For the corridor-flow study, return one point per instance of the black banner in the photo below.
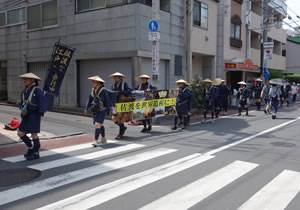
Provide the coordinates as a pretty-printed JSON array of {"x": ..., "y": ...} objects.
[{"x": 59, "y": 63}]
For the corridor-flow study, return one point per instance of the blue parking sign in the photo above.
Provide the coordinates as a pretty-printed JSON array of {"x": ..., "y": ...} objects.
[{"x": 153, "y": 26}]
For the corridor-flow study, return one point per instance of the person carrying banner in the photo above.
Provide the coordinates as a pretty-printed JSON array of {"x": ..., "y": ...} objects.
[
  {"x": 243, "y": 96},
  {"x": 265, "y": 95},
  {"x": 182, "y": 103},
  {"x": 257, "y": 93},
  {"x": 33, "y": 106},
  {"x": 99, "y": 104},
  {"x": 123, "y": 95},
  {"x": 207, "y": 97},
  {"x": 146, "y": 86}
]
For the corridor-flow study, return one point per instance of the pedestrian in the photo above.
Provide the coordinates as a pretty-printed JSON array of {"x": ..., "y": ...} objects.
[
  {"x": 33, "y": 106},
  {"x": 243, "y": 95},
  {"x": 123, "y": 95},
  {"x": 266, "y": 97},
  {"x": 182, "y": 103},
  {"x": 147, "y": 87},
  {"x": 224, "y": 93},
  {"x": 206, "y": 98},
  {"x": 216, "y": 98},
  {"x": 294, "y": 92},
  {"x": 257, "y": 93},
  {"x": 275, "y": 93},
  {"x": 99, "y": 104}
]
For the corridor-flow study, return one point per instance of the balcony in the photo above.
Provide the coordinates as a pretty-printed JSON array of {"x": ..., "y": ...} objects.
[{"x": 279, "y": 6}]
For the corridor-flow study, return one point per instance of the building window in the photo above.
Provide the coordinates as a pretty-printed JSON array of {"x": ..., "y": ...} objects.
[
  {"x": 178, "y": 65},
  {"x": 16, "y": 16},
  {"x": 165, "y": 5},
  {"x": 2, "y": 19},
  {"x": 42, "y": 15},
  {"x": 235, "y": 32},
  {"x": 200, "y": 14}
]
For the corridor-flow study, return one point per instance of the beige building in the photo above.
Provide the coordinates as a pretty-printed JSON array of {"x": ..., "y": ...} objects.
[{"x": 243, "y": 35}]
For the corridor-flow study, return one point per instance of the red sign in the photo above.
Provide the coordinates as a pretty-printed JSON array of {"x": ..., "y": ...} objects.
[{"x": 247, "y": 65}]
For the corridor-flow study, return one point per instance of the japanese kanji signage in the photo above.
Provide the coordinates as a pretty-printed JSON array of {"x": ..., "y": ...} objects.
[
  {"x": 145, "y": 104},
  {"x": 59, "y": 63}
]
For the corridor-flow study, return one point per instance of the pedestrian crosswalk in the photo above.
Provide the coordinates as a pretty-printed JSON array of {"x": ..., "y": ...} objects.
[{"x": 277, "y": 194}]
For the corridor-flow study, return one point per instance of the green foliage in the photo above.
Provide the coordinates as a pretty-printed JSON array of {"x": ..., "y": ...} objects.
[
  {"x": 276, "y": 74},
  {"x": 197, "y": 89},
  {"x": 293, "y": 78}
]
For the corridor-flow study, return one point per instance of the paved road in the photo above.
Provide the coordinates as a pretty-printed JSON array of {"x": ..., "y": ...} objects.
[{"x": 235, "y": 163}]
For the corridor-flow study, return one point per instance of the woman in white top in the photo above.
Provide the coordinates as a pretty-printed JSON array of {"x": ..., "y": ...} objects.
[{"x": 275, "y": 93}]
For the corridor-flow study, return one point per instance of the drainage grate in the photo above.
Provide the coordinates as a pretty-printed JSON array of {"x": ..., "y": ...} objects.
[
  {"x": 11, "y": 177},
  {"x": 283, "y": 144}
]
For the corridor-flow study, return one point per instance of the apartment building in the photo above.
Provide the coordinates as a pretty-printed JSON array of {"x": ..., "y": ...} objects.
[
  {"x": 292, "y": 53},
  {"x": 241, "y": 28},
  {"x": 108, "y": 35}
]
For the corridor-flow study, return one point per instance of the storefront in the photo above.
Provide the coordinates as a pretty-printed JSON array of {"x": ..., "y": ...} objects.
[{"x": 240, "y": 70}]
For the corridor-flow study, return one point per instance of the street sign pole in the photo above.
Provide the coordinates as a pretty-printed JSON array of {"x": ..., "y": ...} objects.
[{"x": 154, "y": 37}]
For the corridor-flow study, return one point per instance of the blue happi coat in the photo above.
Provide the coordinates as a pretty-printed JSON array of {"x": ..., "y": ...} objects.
[
  {"x": 104, "y": 97},
  {"x": 183, "y": 101},
  {"x": 31, "y": 123}
]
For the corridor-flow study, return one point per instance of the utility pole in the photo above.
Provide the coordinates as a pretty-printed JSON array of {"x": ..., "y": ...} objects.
[
  {"x": 189, "y": 26},
  {"x": 264, "y": 33}
]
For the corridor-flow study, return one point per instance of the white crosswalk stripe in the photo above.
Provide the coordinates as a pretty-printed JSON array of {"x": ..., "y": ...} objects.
[
  {"x": 47, "y": 153},
  {"x": 71, "y": 177},
  {"x": 197, "y": 191},
  {"x": 112, "y": 190},
  {"x": 277, "y": 194},
  {"x": 80, "y": 158}
]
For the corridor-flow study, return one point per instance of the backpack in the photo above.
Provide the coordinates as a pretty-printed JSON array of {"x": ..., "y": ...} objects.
[
  {"x": 23, "y": 107},
  {"x": 97, "y": 103}
]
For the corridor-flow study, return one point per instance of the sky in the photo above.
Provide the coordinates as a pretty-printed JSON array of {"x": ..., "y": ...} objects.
[{"x": 293, "y": 7}]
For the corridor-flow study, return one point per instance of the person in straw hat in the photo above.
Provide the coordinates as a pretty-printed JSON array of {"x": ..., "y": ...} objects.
[
  {"x": 146, "y": 86},
  {"x": 257, "y": 93},
  {"x": 33, "y": 106},
  {"x": 216, "y": 97},
  {"x": 243, "y": 96},
  {"x": 224, "y": 94},
  {"x": 182, "y": 104},
  {"x": 123, "y": 95},
  {"x": 207, "y": 97},
  {"x": 99, "y": 104},
  {"x": 275, "y": 93}
]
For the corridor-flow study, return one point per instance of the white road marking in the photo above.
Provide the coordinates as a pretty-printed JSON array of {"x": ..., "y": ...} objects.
[
  {"x": 220, "y": 149},
  {"x": 277, "y": 194},
  {"x": 37, "y": 187},
  {"x": 47, "y": 153},
  {"x": 197, "y": 191},
  {"x": 101, "y": 194},
  {"x": 80, "y": 158}
]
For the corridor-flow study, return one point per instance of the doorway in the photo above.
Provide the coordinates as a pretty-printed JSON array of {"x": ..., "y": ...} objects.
[{"x": 3, "y": 81}]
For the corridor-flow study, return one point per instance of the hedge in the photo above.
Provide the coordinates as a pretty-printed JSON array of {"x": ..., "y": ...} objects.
[{"x": 293, "y": 78}]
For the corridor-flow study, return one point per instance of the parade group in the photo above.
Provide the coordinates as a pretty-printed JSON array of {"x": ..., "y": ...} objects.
[{"x": 215, "y": 96}]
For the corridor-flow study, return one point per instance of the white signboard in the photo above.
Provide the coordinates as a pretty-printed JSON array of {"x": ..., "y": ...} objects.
[
  {"x": 155, "y": 59},
  {"x": 268, "y": 45},
  {"x": 154, "y": 36},
  {"x": 268, "y": 53}
]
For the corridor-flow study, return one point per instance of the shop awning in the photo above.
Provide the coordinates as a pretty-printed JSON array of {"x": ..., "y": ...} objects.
[{"x": 240, "y": 64}]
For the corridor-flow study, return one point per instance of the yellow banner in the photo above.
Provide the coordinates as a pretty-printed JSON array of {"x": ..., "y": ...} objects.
[{"x": 147, "y": 104}]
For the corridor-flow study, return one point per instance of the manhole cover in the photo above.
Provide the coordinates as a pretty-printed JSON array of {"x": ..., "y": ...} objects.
[
  {"x": 283, "y": 144},
  {"x": 17, "y": 176}
]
